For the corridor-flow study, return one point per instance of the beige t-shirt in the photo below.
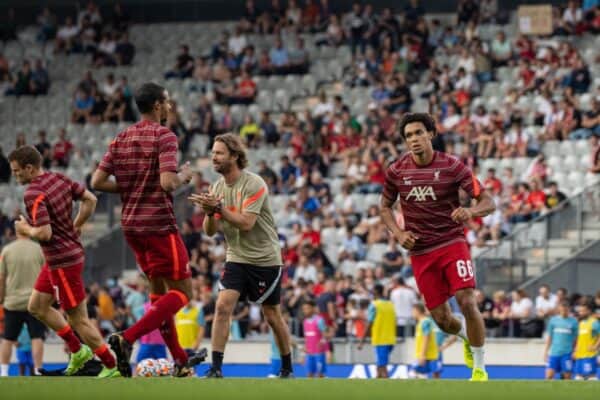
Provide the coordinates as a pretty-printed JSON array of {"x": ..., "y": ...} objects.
[
  {"x": 20, "y": 262},
  {"x": 260, "y": 245}
]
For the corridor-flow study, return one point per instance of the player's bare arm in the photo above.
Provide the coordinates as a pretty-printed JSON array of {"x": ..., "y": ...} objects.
[
  {"x": 171, "y": 181},
  {"x": 41, "y": 233},
  {"x": 86, "y": 209},
  {"x": 102, "y": 182},
  {"x": 406, "y": 239},
  {"x": 484, "y": 206}
]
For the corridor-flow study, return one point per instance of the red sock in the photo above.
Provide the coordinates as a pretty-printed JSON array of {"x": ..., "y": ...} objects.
[
  {"x": 105, "y": 356},
  {"x": 72, "y": 341},
  {"x": 162, "y": 310},
  {"x": 169, "y": 335}
]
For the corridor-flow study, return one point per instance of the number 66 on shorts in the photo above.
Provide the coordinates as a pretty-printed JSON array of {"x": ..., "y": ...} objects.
[{"x": 442, "y": 272}]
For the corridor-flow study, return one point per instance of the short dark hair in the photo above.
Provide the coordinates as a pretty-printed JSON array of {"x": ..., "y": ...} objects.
[
  {"x": 235, "y": 146},
  {"x": 424, "y": 118},
  {"x": 147, "y": 95},
  {"x": 26, "y": 155},
  {"x": 310, "y": 302},
  {"x": 419, "y": 307},
  {"x": 378, "y": 290}
]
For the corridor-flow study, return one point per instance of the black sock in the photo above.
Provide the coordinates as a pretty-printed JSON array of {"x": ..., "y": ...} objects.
[
  {"x": 286, "y": 362},
  {"x": 217, "y": 360}
]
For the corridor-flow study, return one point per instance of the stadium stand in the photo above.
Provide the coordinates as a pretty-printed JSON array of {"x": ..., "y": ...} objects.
[{"x": 317, "y": 96}]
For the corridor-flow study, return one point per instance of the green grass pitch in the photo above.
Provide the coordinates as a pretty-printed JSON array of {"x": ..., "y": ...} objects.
[{"x": 302, "y": 389}]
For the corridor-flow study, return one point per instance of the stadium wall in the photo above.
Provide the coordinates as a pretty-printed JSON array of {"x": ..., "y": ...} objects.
[
  {"x": 504, "y": 352},
  {"x": 206, "y": 10},
  {"x": 357, "y": 371}
]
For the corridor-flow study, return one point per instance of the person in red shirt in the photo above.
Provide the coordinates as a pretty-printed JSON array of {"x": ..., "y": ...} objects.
[
  {"x": 49, "y": 202},
  {"x": 493, "y": 181},
  {"x": 143, "y": 160},
  {"x": 428, "y": 184},
  {"x": 536, "y": 201},
  {"x": 61, "y": 153}
]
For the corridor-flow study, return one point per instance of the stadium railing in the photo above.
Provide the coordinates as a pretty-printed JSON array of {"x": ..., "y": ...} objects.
[{"x": 537, "y": 245}]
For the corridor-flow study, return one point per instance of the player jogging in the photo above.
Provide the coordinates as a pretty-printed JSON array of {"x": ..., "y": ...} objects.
[
  {"x": 316, "y": 335},
  {"x": 49, "y": 202},
  {"x": 238, "y": 205},
  {"x": 588, "y": 343},
  {"x": 427, "y": 183},
  {"x": 143, "y": 160},
  {"x": 382, "y": 325},
  {"x": 560, "y": 341}
]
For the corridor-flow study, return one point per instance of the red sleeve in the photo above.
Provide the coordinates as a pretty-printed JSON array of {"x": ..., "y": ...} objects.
[
  {"x": 77, "y": 190},
  {"x": 167, "y": 151},
  {"x": 106, "y": 164},
  {"x": 390, "y": 190},
  {"x": 468, "y": 182},
  {"x": 35, "y": 203}
]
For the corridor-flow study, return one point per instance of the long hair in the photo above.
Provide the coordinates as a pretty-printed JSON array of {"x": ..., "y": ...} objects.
[{"x": 236, "y": 148}]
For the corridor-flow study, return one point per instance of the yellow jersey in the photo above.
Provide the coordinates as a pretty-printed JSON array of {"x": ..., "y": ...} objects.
[
  {"x": 425, "y": 329},
  {"x": 589, "y": 329},
  {"x": 382, "y": 317},
  {"x": 187, "y": 322}
]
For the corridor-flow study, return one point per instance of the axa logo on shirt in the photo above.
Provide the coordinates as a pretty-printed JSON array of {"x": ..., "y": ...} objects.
[{"x": 420, "y": 193}]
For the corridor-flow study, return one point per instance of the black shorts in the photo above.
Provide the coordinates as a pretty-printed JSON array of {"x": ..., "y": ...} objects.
[
  {"x": 14, "y": 321},
  {"x": 261, "y": 285}
]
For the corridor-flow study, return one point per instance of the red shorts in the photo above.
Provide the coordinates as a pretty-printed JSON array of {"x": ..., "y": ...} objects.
[
  {"x": 161, "y": 256},
  {"x": 442, "y": 272},
  {"x": 65, "y": 284}
]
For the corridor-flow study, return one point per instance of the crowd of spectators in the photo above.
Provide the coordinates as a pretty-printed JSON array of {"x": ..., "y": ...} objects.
[
  {"x": 26, "y": 79},
  {"x": 108, "y": 101}
]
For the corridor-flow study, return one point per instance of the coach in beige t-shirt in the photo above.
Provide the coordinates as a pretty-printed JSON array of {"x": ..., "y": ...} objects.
[{"x": 20, "y": 265}]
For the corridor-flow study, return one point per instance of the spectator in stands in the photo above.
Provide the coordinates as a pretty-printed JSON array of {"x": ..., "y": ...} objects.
[
  {"x": 536, "y": 200},
  {"x": 83, "y": 104},
  {"x": 404, "y": 298},
  {"x": 118, "y": 108},
  {"x": 486, "y": 308},
  {"x": 244, "y": 93},
  {"x": 279, "y": 58},
  {"x": 269, "y": 129},
  {"x": 61, "y": 152},
  {"x": 298, "y": 58},
  {"x": 45, "y": 149},
  {"x": 105, "y": 53},
  {"x": 288, "y": 173},
  {"x": 546, "y": 303},
  {"x": 250, "y": 131},
  {"x": 305, "y": 270},
  {"x": 580, "y": 78},
  {"x": 184, "y": 64},
  {"x": 590, "y": 124},
  {"x": 21, "y": 140},
  {"x": 47, "y": 25},
  {"x": 493, "y": 181},
  {"x": 501, "y": 50},
  {"x": 352, "y": 247},
  {"x": 269, "y": 176},
  {"x": 67, "y": 37},
  {"x": 23, "y": 82},
  {"x": 521, "y": 312},
  {"x": 554, "y": 197},
  {"x": 40, "y": 78},
  {"x": 572, "y": 17},
  {"x": 5, "y": 171},
  {"x": 124, "y": 51},
  {"x": 335, "y": 32}
]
